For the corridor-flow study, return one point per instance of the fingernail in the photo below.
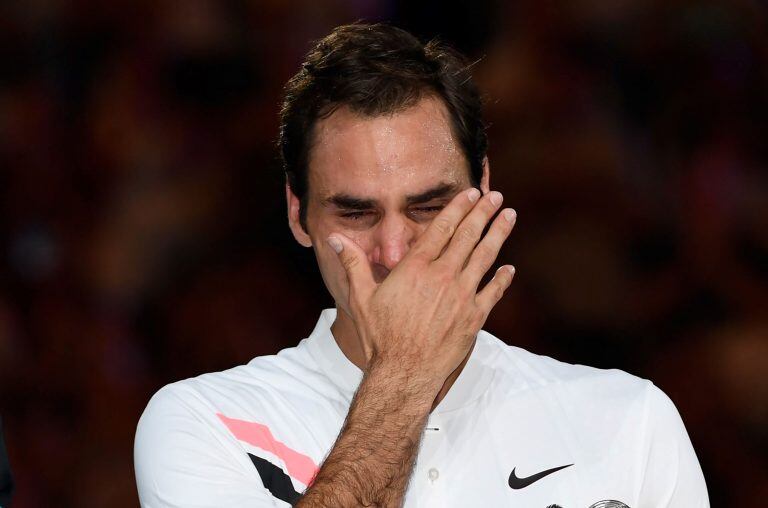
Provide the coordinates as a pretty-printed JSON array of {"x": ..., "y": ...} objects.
[
  {"x": 509, "y": 214},
  {"x": 496, "y": 198},
  {"x": 510, "y": 269},
  {"x": 473, "y": 195},
  {"x": 335, "y": 244}
]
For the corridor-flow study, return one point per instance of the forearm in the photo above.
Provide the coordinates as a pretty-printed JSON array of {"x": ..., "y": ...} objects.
[{"x": 373, "y": 457}]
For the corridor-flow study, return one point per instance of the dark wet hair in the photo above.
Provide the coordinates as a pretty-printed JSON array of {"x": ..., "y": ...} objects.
[{"x": 376, "y": 69}]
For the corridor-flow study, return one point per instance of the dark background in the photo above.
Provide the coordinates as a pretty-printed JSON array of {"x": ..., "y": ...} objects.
[{"x": 143, "y": 233}]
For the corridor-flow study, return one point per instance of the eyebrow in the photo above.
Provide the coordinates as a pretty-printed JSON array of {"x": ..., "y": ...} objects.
[
  {"x": 440, "y": 191},
  {"x": 357, "y": 203}
]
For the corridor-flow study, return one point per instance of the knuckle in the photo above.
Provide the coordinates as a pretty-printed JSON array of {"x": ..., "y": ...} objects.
[
  {"x": 349, "y": 262},
  {"x": 485, "y": 256},
  {"x": 443, "y": 225},
  {"x": 466, "y": 234}
]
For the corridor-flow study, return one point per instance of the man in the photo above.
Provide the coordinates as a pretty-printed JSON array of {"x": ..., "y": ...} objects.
[{"x": 398, "y": 397}]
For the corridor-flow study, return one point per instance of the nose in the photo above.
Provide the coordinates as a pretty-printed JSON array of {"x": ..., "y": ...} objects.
[{"x": 393, "y": 238}]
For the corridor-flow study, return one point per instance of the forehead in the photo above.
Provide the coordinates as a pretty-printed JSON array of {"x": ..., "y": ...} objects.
[{"x": 388, "y": 155}]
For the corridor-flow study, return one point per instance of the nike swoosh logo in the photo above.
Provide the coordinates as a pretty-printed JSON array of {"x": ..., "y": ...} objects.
[{"x": 520, "y": 483}]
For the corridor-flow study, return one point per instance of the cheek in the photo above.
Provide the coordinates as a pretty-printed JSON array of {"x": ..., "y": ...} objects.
[
  {"x": 329, "y": 260},
  {"x": 363, "y": 239},
  {"x": 322, "y": 229}
]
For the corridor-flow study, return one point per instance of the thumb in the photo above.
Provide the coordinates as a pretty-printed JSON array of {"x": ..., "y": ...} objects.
[{"x": 354, "y": 261}]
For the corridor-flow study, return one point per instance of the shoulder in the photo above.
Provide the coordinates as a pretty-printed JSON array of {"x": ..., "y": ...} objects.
[
  {"x": 181, "y": 419},
  {"x": 523, "y": 370},
  {"x": 608, "y": 412},
  {"x": 279, "y": 389},
  {"x": 189, "y": 439},
  {"x": 588, "y": 396},
  {"x": 290, "y": 372},
  {"x": 254, "y": 388}
]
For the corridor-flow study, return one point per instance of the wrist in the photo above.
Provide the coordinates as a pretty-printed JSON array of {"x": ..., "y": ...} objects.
[{"x": 414, "y": 381}]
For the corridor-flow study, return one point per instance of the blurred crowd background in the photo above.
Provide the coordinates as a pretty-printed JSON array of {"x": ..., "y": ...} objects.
[{"x": 143, "y": 233}]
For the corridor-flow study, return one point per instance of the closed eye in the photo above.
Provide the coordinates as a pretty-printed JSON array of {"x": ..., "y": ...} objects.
[
  {"x": 354, "y": 215},
  {"x": 426, "y": 210},
  {"x": 421, "y": 210}
]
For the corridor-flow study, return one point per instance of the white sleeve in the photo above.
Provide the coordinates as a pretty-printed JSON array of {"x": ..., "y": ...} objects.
[
  {"x": 673, "y": 477},
  {"x": 180, "y": 462}
]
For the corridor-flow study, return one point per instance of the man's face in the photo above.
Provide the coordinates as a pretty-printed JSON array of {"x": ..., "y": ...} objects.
[{"x": 379, "y": 181}]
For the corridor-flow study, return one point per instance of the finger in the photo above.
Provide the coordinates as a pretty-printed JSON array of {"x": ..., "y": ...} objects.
[
  {"x": 470, "y": 230},
  {"x": 354, "y": 261},
  {"x": 494, "y": 290},
  {"x": 487, "y": 250},
  {"x": 441, "y": 229}
]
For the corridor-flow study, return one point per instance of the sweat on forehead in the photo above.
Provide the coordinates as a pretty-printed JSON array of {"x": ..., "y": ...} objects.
[{"x": 414, "y": 146}]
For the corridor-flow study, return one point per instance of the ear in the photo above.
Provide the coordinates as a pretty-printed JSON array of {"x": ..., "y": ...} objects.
[
  {"x": 294, "y": 206},
  {"x": 485, "y": 181}
]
